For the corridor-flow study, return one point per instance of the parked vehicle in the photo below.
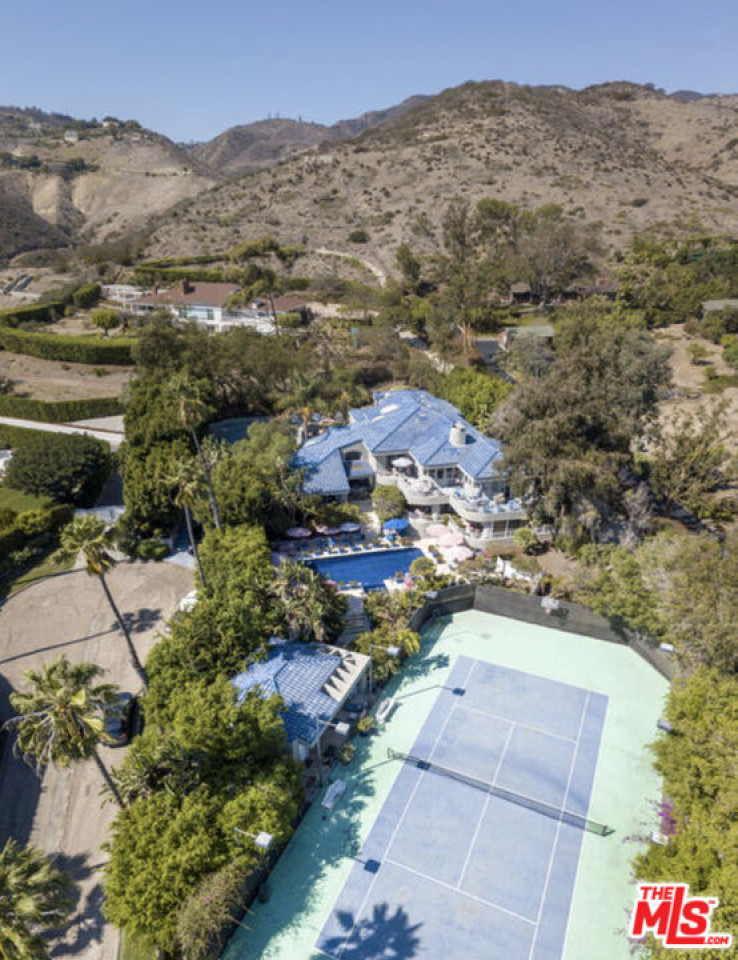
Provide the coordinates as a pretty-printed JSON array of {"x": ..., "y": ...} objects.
[{"x": 120, "y": 720}]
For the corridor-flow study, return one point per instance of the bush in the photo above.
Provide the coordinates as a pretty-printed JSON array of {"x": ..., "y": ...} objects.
[
  {"x": 388, "y": 502},
  {"x": 152, "y": 549},
  {"x": 39, "y": 312},
  {"x": 87, "y": 295},
  {"x": 67, "y": 468},
  {"x": 33, "y": 527},
  {"x": 358, "y": 236},
  {"x": 52, "y": 346},
  {"x": 59, "y": 411}
]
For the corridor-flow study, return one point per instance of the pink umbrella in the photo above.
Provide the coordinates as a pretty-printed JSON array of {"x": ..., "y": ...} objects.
[
  {"x": 451, "y": 539},
  {"x": 298, "y": 533},
  {"x": 327, "y": 531},
  {"x": 455, "y": 554},
  {"x": 436, "y": 530}
]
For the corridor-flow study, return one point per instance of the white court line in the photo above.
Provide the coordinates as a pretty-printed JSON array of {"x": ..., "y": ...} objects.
[
  {"x": 462, "y": 893},
  {"x": 558, "y": 829},
  {"x": 397, "y": 827},
  {"x": 579, "y": 858},
  {"x": 517, "y": 723},
  {"x": 484, "y": 810}
]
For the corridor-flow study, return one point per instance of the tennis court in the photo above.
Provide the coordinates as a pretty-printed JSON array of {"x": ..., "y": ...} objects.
[{"x": 475, "y": 851}]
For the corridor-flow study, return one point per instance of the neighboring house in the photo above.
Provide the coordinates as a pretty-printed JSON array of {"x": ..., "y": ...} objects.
[
  {"x": 71, "y": 136},
  {"x": 314, "y": 680},
  {"x": 521, "y": 293},
  {"x": 206, "y": 304},
  {"x": 422, "y": 445},
  {"x": 122, "y": 293}
]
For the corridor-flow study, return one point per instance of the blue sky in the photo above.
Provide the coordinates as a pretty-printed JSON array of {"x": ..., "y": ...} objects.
[{"x": 191, "y": 70}]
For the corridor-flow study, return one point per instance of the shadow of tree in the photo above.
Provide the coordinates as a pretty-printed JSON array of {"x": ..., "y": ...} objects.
[
  {"x": 20, "y": 784},
  {"x": 141, "y": 620},
  {"x": 87, "y": 923},
  {"x": 383, "y": 936}
]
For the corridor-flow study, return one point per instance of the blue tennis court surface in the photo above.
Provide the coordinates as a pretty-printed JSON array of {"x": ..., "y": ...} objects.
[
  {"x": 369, "y": 569},
  {"x": 450, "y": 870}
]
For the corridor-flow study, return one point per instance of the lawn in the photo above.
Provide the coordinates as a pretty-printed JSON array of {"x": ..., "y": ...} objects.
[
  {"x": 19, "y": 502},
  {"x": 45, "y": 567}
]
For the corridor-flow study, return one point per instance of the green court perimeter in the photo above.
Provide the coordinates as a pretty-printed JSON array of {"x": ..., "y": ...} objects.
[{"x": 313, "y": 868}]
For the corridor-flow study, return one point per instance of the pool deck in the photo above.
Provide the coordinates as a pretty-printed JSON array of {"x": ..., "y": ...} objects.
[{"x": 313, "y": 869}]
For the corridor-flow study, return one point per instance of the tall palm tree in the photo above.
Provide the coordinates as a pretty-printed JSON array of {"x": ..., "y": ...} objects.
[
  {"x": 299, "y": 591},
  {"x": 188, "y": 486},
  {"x": 89, "y": 536},
  {"x": 34, "y": 896},
  {"x": 192, "y": 411},
  {"x": 61, "y": 720}
]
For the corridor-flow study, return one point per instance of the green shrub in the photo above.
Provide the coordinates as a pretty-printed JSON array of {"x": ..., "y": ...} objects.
[
  {"x": 358, "y": 236},
  {"x": 87, "y": 295},
  {"x": 67, "y": 468},
  {"x": 40, "y": 312},
  {"x": 152, "y": 549},
  {"x": 59, "y": 411},
  {"x": 29, "y": 526},
  {"x": 388, "y": 502},
  {"x": 52, "y": 346}
]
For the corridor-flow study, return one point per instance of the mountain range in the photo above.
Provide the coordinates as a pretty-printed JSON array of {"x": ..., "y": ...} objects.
[{"x": 622, "y": 155}]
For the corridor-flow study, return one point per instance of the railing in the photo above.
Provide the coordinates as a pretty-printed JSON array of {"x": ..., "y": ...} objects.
[
  {"x": 484, "y": 510},
  {"x": 432, "y": 496}
]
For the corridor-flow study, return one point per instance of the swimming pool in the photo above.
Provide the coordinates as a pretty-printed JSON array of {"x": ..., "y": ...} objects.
[{"x": 369, "y": 569}]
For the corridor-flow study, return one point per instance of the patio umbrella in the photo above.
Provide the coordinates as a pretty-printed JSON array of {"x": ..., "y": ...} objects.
[
  {"x": 437, "y": 530},
  {"x": 299, "y": 533},
  {"x": 402, "y": 462},
  {"x": 396, "y": 524},
  {"x": 458, "y": 553},
  {"x": 327, "y": 531},
  {"x": 450, "y": 539},
  {"x": 350, "y": 527}
]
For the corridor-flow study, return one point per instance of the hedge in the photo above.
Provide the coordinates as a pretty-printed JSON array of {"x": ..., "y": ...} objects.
[
  {"x": 16, "y": 437},
  {"x": 42, "y": 312},
  {"x": 28, "y": 526},
  {"x": 163, "y": 273},
  {"x": 181, "y": 261},
  {"x": 53, "y": 346},
  {"x": 59, "y": 411}
]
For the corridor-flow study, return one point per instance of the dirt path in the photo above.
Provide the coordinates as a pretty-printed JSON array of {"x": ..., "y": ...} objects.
[{"x": 372, "y": 267}]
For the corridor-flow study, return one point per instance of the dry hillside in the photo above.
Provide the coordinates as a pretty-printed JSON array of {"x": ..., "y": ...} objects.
[
  {"x": 254, "y": 146},
  {"x": 53, "y": 192},
  {"x": 619, "y": 154}
]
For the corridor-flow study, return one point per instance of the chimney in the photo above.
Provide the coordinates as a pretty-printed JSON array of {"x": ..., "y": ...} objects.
[{"x": 457, "y": 435}]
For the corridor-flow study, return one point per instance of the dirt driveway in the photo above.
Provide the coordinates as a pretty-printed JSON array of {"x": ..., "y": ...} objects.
[{"x": 62, "y": 813}]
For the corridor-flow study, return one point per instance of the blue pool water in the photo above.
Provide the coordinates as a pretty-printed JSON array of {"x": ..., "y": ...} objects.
[{"x": 369, "y": 569}]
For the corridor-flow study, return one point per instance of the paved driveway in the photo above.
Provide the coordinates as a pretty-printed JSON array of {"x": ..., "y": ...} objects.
[{"x": 62, "y": 813}]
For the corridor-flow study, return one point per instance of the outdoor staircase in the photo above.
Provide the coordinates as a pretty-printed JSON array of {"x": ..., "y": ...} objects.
[{"x": 355, "y": 622}]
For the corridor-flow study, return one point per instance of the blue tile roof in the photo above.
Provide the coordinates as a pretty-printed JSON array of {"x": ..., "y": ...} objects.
[
  {"x": 402, "y": 421},
  {"x": 298, "y": 673}
]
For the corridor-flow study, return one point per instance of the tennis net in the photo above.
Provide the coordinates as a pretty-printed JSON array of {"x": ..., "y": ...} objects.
[{"x": 538, "y": 806}]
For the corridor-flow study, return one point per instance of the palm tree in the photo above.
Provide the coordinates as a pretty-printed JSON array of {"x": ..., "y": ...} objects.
[
  {"x": 301, "y": 596},
  {"x": 34, "y": 896},
  {"x": 187, "y": 482},
  {"x": 88, "y": 535},
  {"x": 61, "y": 720},
  {"x": 193, "y": 410}
]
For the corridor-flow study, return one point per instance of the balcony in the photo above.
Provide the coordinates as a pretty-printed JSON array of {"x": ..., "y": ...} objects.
[
  {"x": 480, "y": 509},
  {"x": 422, "y": 492}
]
